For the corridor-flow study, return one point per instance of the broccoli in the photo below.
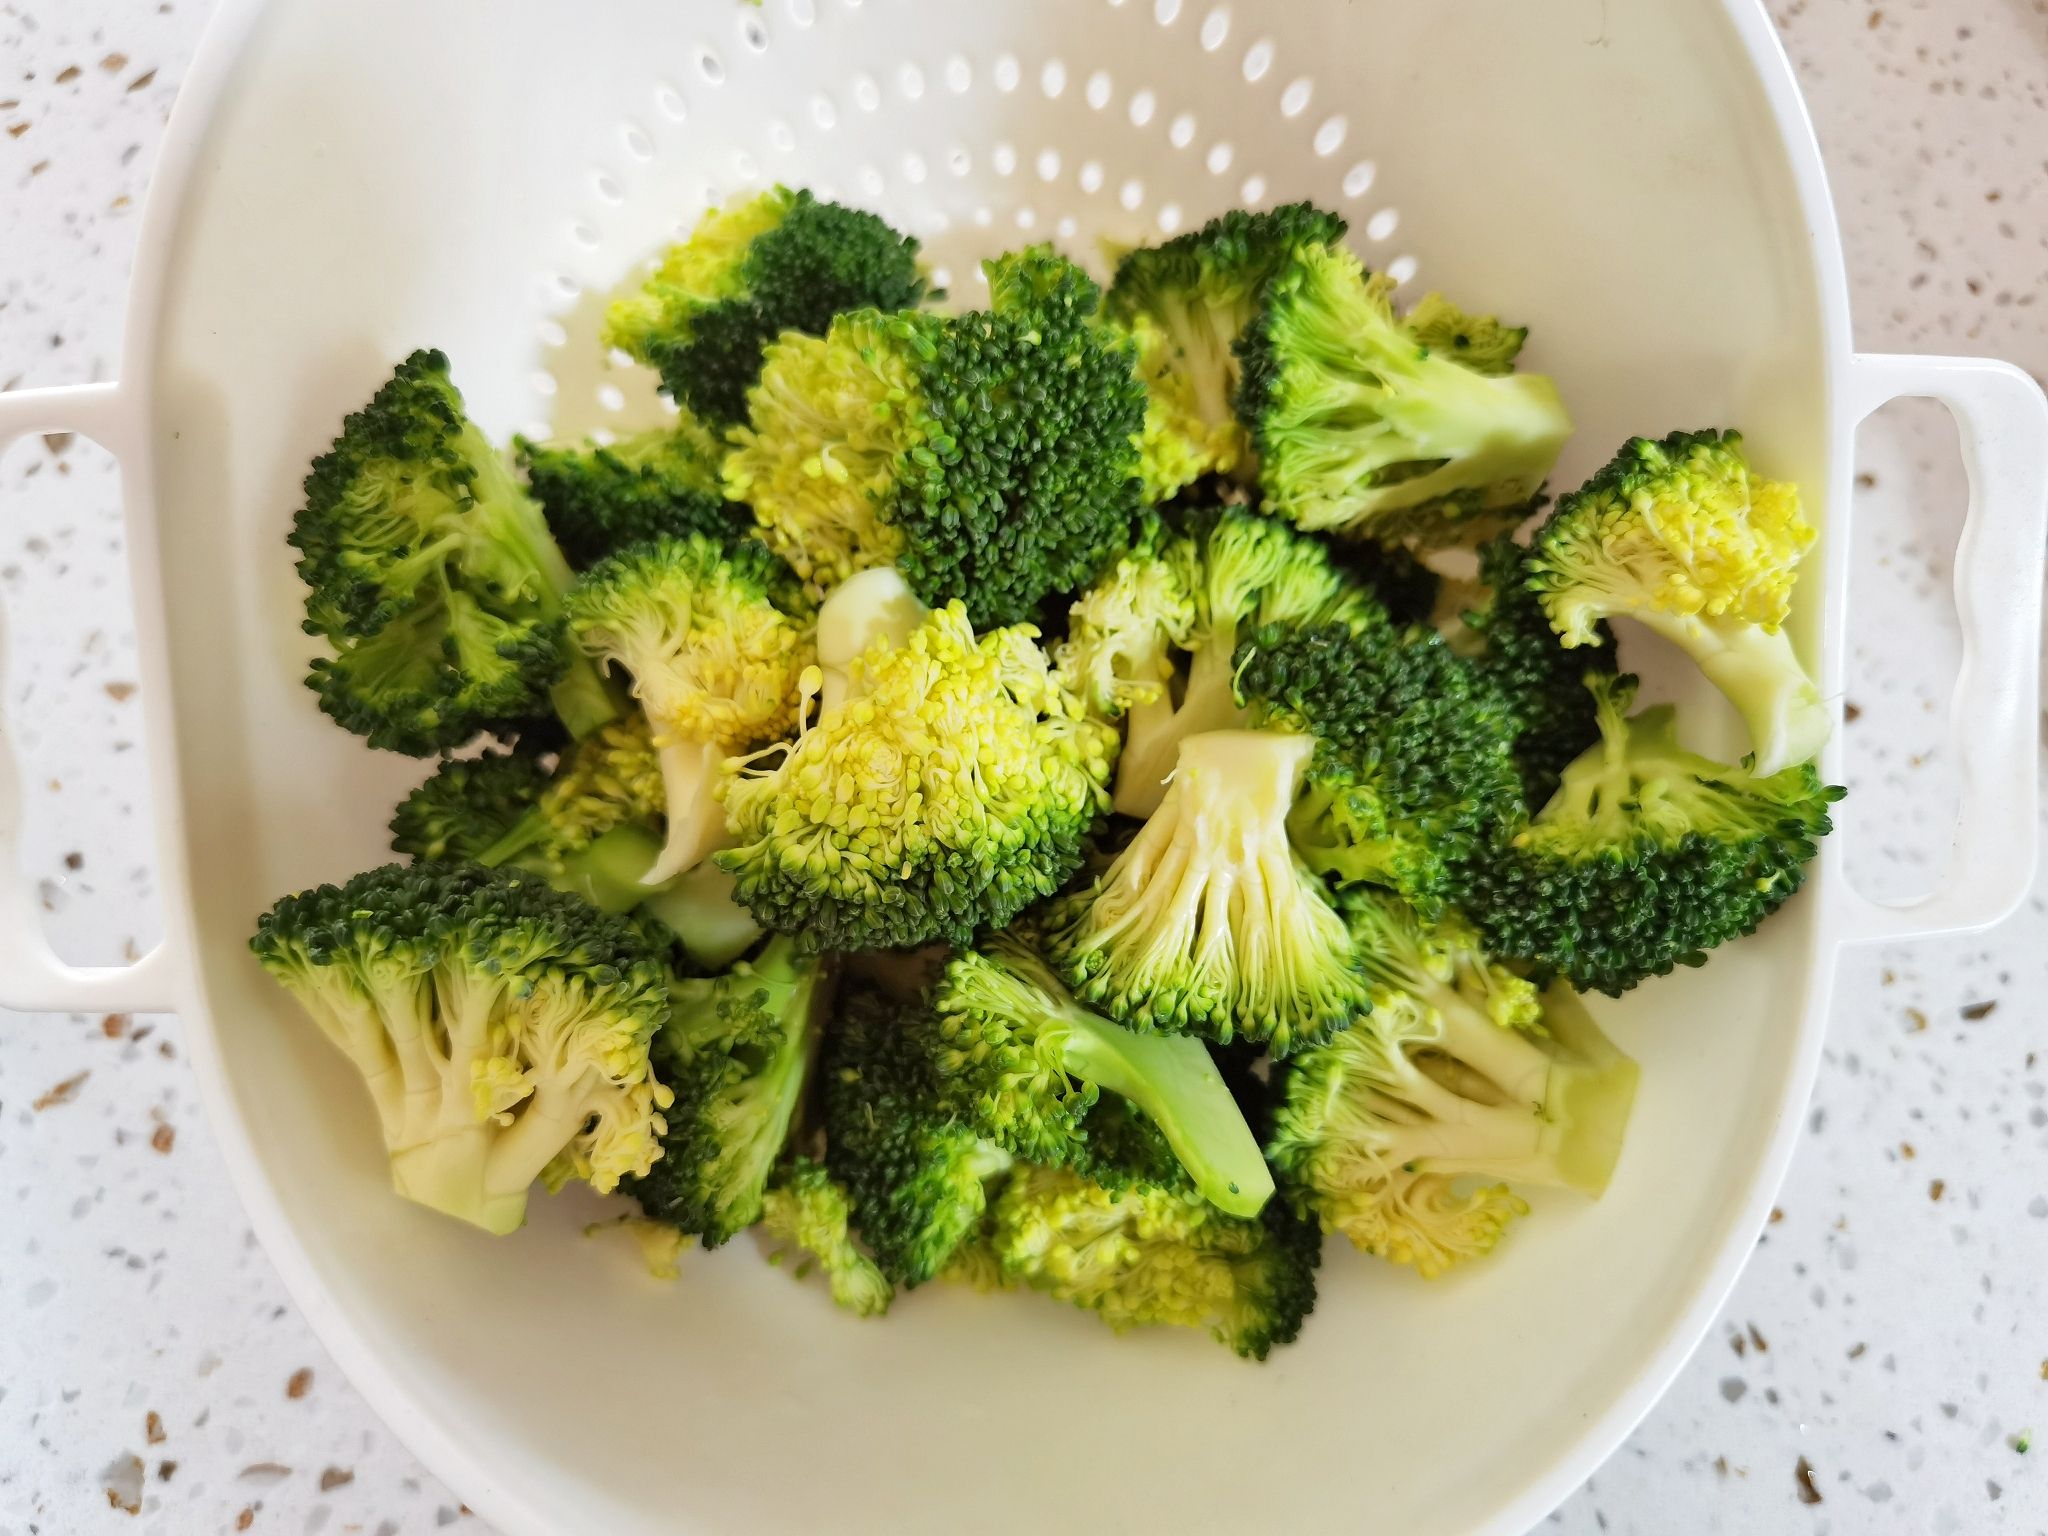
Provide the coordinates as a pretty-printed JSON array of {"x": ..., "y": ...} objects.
[
  {"x": 1541, "y": 681},
  {"x": 1018, "y": 1060},
  {"x": 715, "y": 665},
  {"x": 1681, "y": 537},
  {"x": 952, "y": 786},
  {"x": 1185, "y": 304},
  {"x": 1363, "y": 429},
  {"x": 1196, "y": 592},
  {"x": 990, "y": 456},
  {"x": 1461, "y": 1074},
  {"x": 1413, "y": 770},
  {"x": 1406, "y": 586},
  {"x": 804, "y": 1209},
  {"x": 1208, "y": 922},
  {"x": 1480, "y": 342},
  {"x": 917, "y": 1179},
  {"x": 502, "y": 1028},
  {"x": 602, "y": 498},
  {"x": 435, "y": 579},
  {"x": 781, "y": 261},
  {"x": 1647, "y": 856},
  {"x": 1146, "y": 1253},
  {"x": 736, "y": 1052}
]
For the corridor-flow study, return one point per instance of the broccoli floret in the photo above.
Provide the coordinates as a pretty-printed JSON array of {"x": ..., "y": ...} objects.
[
  {"x": 501, "y": 1027},
  {"x": 990, "y": 456},
  {"x": 1021, "y": 1062},
  {"x": 1407, "y": 1132},
  {"x": 918, "y": 1180},
  {"x": 1480, "y": 342},
  {"x": 806, "y": 1210},
  {"x": 435, "y": 579},
  {"x": 1185, "y": 304},
  {"x": 600, "y": 499},
  {"x": 1363, "y": 430},
  {"x": 782, "y": 261},
  {"x": 1540, "y": 680},
  {"x": 1647, "y": 856},
  {"x": 1143, "y": 1254},
  {"x": 715, "y": 665},
  {"x": 1413, "y": 769},
  {"x": 951, "y": 787},
  {"x": 1157, "y": 636},
  {"x": 736, "y": 1051},
  {"x": 1403, "y": 582},
  {"x": 467, "y": 805},
  {"x": 1681, "y": 537},
  {"x": 1208, "y": 922}
]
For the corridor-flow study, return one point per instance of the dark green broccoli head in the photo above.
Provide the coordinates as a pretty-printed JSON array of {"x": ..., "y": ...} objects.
[
  {"x": 736, "y": 1052},
  {"x": 602, "y": 499},
  {"x": 1647, "y": 857},
  {"x": 989, "y": 456},
  {"x": 1413, "y": 768},
  {"x": 463, "y": 810},
  {"x": 434, "y": 577},
  {"x": 782, "y": 261}
]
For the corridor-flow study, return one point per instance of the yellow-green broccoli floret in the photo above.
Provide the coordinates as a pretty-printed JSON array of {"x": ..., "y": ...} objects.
[{"x": 807, "y": 1211}]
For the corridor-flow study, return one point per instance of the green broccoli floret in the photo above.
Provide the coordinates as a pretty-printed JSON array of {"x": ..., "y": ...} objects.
[
  {"x": 435, "y": 579},
  {"x": 737, "y": 1052},
  {"x": 990, "y": 456},
  {"x": 1140, "y": 1254},
  {"x": 804, "y": 1209},
  {"x": 782, "y": 261},
  {"x": 1018, "y": 1060},
  {"x": 1156, "y": 638},
  {"x": 1681, "y": 537},
  {"x": 1480, "y": 342},
  {"x": 714, "y": 662},
  {"x": 600, "y": 499},
  {"x": 950, "y": 785},
  {"x": 1413, "y": 769},
  {"x": 1208, "y": 922},
  {"x": 501, "y": 1027},
  {"x": 1541, "y": 681},
  {"x": 467, "y": 805},
  {"x": 1647, "y": 856},
  {"x": 1407, "y": 1132},
  {"x": 1185, "y": 303},
  {"x": 918, "y": 1180},
  {"x": 1364, "y": 430}
]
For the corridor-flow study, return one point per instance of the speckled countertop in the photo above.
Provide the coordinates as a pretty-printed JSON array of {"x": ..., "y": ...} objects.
[{"x": 1885, "y": 1357}]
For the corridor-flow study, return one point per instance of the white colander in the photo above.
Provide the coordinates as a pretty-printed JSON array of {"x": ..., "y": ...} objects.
[{"x": 344, "y": 182}]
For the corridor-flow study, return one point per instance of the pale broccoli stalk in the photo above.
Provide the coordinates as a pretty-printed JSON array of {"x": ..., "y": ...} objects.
[
  {"x": 1208, "y": 922},
  {"x": 1681, "y": 537},
  {"x": 876, "y": 605}
]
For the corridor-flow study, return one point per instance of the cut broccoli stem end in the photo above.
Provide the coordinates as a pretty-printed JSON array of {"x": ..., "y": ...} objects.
[
  {"x": 453, "y": 1173},
  {"x": 699, "y": 908}
]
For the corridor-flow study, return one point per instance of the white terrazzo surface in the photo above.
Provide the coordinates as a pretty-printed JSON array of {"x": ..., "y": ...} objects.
[{"x": 1892, "y": 1329}]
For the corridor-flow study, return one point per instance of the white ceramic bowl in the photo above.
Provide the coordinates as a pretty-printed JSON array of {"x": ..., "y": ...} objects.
[{"x": 345, "y": 182}]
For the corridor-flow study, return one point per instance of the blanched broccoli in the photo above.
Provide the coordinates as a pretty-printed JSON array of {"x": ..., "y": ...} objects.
[
  {"x": 1139, "y": 1253},
  {"x": 736, "y": 1052},
  {"x": 715, "y": 665},
  {"x": 990, "y": 456},
  {"x": 1413, "y": 769},
  {"x": 435, "y": 579},
  {"x": 1208, "y": 922},
  {"x": 918, "y": 1180},
  {"x": 1647, "y": 856},
  {"x": 1188, "y": 597},
  {"x": 1480, "y": 342},
  {"x": 1365, "y": 430},
  {"x": 950, "y": 788},
  {"x": 781, "y": 261},
  {"x": 806, "y": 1210},
  {"x": 1407, "y": 1132},
  {"x": 600, "y": 499},
  {"x": 1018, "y": 1060},
  {"x": 1680, "y": 536},
  {"x": 1185, "y": 303},
  {"x": 501, "y": 1026}
]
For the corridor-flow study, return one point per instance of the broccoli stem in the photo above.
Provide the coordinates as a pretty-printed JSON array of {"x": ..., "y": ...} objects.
[
  {"x": 1157, "y": 727},
  {"x": 583, "y": 701},
  {"x": 453, "y": 1173},
  {"x": 695, "y": 814},
  {"x": 701, "y": 911},
  {"x": 1758, "y": 672},
  {"x": 875, "y": 605},
  {"x": 611, "y": 872}
]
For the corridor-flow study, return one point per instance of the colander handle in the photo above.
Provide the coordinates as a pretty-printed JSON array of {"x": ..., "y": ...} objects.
[
  {"x": 1994, "y": 722},
  {"x": 32, "y": 978}
]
